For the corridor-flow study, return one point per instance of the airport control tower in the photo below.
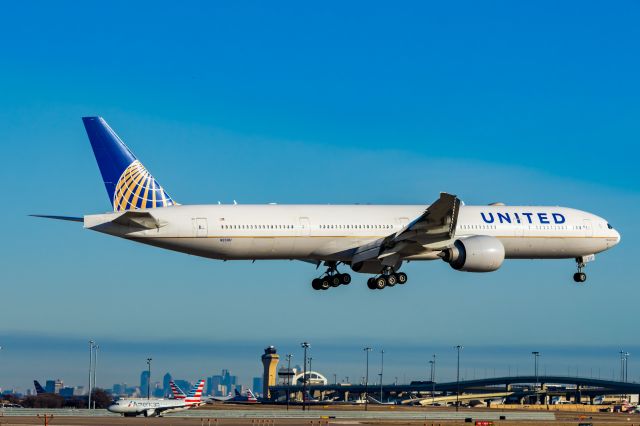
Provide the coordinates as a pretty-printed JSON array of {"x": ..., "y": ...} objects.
[{"x": 270, "y": 361}]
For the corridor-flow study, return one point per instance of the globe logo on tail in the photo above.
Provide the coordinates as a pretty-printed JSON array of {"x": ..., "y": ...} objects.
[{"x": 137, "y": 189}]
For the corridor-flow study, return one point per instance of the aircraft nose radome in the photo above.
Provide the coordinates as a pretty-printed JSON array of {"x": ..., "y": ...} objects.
[{"x": 617, "y": 234}]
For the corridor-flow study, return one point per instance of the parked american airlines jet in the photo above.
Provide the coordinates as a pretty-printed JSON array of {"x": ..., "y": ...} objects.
[
  {"x": 157, "y": 407},
  {"x": 370, "y": 239}
]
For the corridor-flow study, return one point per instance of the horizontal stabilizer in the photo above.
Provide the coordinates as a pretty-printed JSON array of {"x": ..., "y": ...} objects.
[{"x": 68, "y": 218}]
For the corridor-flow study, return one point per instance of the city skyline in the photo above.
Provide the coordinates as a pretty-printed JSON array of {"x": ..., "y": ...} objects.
[{"x": 402, "y": 362}]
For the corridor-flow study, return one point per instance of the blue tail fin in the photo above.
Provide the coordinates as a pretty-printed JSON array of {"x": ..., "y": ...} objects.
[
  {"x": 39, "y": 389},
  {"x": 129, "y": 185}
]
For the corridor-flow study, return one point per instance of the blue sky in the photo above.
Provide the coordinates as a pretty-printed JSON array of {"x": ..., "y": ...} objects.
[{"x": 365, "y": 102}]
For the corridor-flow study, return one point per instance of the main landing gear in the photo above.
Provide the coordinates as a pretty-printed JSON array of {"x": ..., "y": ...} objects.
[
  {"x": 331, "y": 278},
  {"x": 580, "y": 276},
  {"x": 388, "y": 278}
]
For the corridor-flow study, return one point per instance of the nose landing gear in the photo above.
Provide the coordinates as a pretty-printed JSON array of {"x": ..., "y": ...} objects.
[{"x": 580, "y": 276}]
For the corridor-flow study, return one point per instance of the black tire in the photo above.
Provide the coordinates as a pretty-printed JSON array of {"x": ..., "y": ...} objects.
[
  {"x": 335, "y": 280},
  {"x": 579, "y": 277},
  {"x": 392, "y": 280},
  {"x": 345, "y": 279},
  {"x": 371, "y": 283},
  {"x": 316, "y": 284},
  {"x": 325, "y": 283},
  {"x": 380, "y": 282},
  {"x": 402, "y": 278}
]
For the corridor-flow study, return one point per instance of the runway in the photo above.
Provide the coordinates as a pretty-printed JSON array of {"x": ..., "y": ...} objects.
[
  {"x": 272, "y": 417},
  {"x": 103, "y": 416},
  {"x": 257, "y": 416}
]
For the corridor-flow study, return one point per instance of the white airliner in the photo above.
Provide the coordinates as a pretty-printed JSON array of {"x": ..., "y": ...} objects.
[
  {"x": 157, "y": 407},
  {"x": 370, "y": 239}
]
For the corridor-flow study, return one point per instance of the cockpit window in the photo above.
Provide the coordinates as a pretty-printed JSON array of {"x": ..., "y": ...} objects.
[{"x": 609, "y": 226}]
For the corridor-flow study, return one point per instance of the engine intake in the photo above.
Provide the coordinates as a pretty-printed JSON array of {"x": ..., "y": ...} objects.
[{"x": 480, "y": 253}]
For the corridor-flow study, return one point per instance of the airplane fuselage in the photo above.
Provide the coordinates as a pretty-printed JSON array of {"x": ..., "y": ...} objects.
[{"x": 334, "y": 232}]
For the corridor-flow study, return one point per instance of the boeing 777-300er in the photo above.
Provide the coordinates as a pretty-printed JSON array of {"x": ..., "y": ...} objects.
[
  {"x": 370, "y": 239},
  {"x": 157, "y": 407}
]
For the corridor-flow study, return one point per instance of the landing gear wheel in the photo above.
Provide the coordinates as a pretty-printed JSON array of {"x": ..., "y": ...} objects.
[
  {"x": 371, "y": 283},
  {"x": 392, "y": 280},
  {"x": 316, "y": 284},
  {"x": 335, "y": 280},
  {"x": 579, "y": 277},
  {"x": 380, "y": 282},
  {"x": 345, "y": 279},
  {"x": 324, "y": 283},
  {"x": 402, "y": 277}
]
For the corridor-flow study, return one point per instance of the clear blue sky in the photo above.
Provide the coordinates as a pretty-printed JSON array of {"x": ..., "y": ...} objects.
[{"x": 332, "y": 102}]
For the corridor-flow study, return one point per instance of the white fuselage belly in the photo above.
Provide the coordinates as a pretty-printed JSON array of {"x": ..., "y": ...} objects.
[{"x": 326, "y": 232}]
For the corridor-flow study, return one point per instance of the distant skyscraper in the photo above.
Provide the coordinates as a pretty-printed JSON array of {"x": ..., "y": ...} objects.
[
  {"x": 144, "y": 381},
  {"x": 184, "y": 385},
  {"x": 257, "y": 384},
  {"x": 214, "y": 384},
  {"x": 165, "y": 384}
]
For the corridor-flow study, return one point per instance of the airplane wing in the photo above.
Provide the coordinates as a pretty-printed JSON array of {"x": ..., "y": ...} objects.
[{"x": 433, "y": 227}]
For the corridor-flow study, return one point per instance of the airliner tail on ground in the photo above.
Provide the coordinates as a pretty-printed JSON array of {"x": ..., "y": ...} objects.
[{"x": 370, "y": 239}]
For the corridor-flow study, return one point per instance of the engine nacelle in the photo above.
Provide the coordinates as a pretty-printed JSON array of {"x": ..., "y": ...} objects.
[{"x": 480, "y": 253}]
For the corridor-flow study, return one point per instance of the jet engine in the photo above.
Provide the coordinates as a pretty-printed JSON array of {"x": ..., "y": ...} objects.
[
  {"x": 150, "y": 413},
  {"x": 480, "y": 253}
]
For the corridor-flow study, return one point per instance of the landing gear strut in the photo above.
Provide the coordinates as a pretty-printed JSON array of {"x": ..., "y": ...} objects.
[
  {"x": 388, "y": 278},
  {"x": 331, "y": 278},
  {"x": 580, "y": 276}
]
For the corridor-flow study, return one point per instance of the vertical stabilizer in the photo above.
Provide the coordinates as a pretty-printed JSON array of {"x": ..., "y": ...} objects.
[{"x": 129, "y": 185}]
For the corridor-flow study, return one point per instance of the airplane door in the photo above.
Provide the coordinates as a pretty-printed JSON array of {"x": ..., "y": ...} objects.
[
  {"x": 200, "y": 226},
  {"x": 305, "y": 227},
  {"x": 587, "y": 227}
]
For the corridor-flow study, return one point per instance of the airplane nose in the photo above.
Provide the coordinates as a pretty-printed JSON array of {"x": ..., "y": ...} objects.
[{"x": 617, "y": 234}]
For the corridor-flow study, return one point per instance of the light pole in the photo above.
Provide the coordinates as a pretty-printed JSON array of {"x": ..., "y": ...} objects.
[
  {"x": 305, "y": 345},
  {"x": 95, "y": 366},
  {"x": 459, "y": 348},
  {"x": 535, "y": 354},
  {"x": 624, "y": 356},
  {"x": 626, "y": 366},
  {"x": 288, "y": 356},
  {"x": 366, "y": 380},
  {"x": 381, "y": 372},
  {"x": 433, "y": 379},
  {"x": 335, "y": 379},
  {"x": 91, "y": 343},
  {"x": 149, "y": 378}
]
